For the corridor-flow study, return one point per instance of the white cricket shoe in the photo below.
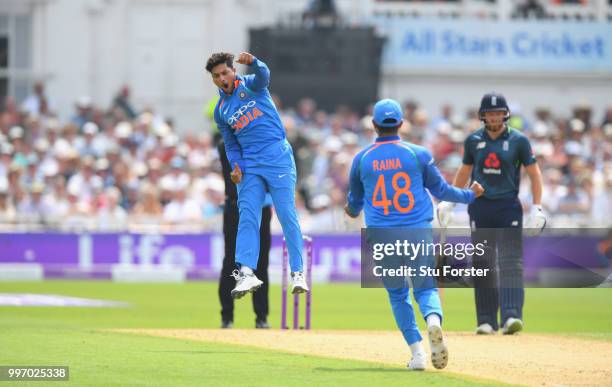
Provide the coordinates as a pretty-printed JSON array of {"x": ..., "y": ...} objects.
[
  {"x": 299, "y": 283},
  {"x": 245, "y": 283},
  {"x": 418, "y": 362},
  {"x": 485, "y": 329},
  {"x": 512, "y": 326},
  {"x": 439, "y": 352}
]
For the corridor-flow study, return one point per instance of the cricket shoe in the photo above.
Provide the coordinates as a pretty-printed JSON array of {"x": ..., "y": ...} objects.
[
  {"x": 439, "y": 352},
  {"x": 245, "y": 283},
  {"x": 485, "y": 329},
  {"x": 512, "y": 326},
  {"x": 299, "y": 283},
  {"x": 418, "y": 362}
]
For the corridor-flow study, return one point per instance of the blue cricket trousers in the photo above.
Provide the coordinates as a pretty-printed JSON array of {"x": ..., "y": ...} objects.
[
  {"x": 277, "y": 175},
  {"x": 498, "y": 222}
]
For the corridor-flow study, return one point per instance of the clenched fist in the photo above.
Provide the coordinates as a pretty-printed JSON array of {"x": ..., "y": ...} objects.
[
  {"x": 236, "y": 174},
  {"x": 477, "y": 189},
  {"x": 348, "y": 212},
  {"x": 245, "y": 58}
]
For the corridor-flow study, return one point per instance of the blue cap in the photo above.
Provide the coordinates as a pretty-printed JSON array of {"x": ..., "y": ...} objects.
[{"x": 387, "y": 113}]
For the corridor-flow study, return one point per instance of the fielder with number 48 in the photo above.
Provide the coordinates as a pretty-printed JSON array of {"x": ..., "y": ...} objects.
[
  {"x": 388, "y": 181},
  {"x": 493, "y": 155}
]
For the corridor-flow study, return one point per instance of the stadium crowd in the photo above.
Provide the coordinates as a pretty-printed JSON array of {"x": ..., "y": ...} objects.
[{"x": 121, "y": 168}]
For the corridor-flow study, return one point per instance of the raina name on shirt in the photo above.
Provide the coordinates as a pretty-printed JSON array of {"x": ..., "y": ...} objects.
[{"x": 386, "y": 164}]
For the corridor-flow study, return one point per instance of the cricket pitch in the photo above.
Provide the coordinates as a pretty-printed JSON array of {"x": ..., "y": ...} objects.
[{"x": 524, "y": 359}]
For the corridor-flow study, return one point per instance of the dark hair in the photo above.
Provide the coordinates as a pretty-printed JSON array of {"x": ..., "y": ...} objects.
[
  {"x": 391, "y": 130},
  {"x": 219, "y": 58}
]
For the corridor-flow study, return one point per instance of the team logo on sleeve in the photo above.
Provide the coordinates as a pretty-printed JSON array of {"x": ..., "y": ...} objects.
[{"x": 492, "y": 164}]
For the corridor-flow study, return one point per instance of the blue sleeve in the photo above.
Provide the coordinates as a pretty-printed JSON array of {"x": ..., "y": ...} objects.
[
  {"x": 232, "y": 147},
  {"x": 355, "y": 194},
  {"x": 260, "y": 78},
  {"x": 435, "y": 183}
]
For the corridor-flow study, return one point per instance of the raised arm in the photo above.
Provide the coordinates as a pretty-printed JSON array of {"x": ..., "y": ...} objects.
[{"x": 260, "y": 78}]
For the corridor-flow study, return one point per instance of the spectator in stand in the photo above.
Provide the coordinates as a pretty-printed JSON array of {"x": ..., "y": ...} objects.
[
  {"x": 46, "y": 162},
  {"x": 78, "y": 213},
  {"x": 102, "y": 168},
  {"x": 123, "y": 133},
  {"x": 444, "y": 118},
  {"x": 584, "y": 113},
  {"x": 368, "y": 135},
  {"x": 123, "y": 178},
  {"x": 85, "y": 182},
  {"x": 607, "y": 117},
  {"x": 31, "y": 173},
  {"x": 177, "y": 176},
  {"x": 38, "y": 104},
  {"x": 20, "y": 148},
  {"x": 84, "y": 112},
  {"x": 86, "y": 145},
  {"x": 529, "y": 9},
  {"x": 111, "y": 216},
  {"x": 7, "y": 211},
  {"x": 575, "y": 202},
  {"x": 122, "y": 102},
  {"x": 306, "y": 111},
  {"x": 57, "y": 198},
  {"x": 16, "y": 189},
  {"x": 148, "y": 209},
  {"x": 541, "y": 144},
  {"x": 182, "y": 210},
  {"x": 10, "y": 115},
  {"x": 33, "y": 209},
  {"x": 6, "y": 157}
]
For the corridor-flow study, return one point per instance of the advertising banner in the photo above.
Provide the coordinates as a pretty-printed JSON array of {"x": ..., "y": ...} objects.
[{"x": 542, "y": 46}]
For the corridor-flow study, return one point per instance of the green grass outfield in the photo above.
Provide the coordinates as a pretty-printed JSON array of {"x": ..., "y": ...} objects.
[{"x": 74, "y": 336}]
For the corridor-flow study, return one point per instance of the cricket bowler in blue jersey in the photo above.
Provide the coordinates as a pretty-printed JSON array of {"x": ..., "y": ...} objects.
[
  {"x": 388, "y": 180},
  {"x": 262, "y": 161}
]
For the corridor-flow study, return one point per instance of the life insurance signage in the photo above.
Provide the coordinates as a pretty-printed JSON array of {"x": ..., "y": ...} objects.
[{"x": 496, "y": 46}]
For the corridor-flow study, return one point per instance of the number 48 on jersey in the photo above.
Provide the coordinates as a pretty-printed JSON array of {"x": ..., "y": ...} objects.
[{"x": 380, "y": 190}]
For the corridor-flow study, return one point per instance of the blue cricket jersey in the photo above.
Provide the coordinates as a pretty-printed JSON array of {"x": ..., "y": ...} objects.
[
  {"x": 389, "y": 179},
  {"x": 248, "y": 120}
]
